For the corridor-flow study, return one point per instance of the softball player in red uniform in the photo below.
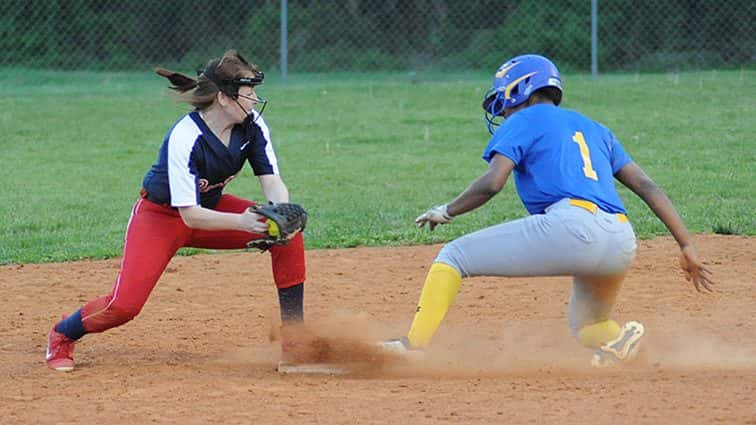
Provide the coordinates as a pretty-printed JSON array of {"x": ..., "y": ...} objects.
[
  {"x": 182, "y": 202},
  {"x": 565, "y": 165}
]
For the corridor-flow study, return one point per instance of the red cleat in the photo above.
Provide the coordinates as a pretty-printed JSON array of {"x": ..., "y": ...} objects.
[{"x": 59, "y": 354}]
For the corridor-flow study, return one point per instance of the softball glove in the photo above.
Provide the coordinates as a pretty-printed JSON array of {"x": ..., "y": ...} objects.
[{"x": 285, "y": 220}]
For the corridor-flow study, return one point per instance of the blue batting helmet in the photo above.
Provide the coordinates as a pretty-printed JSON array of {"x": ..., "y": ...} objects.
[{"x": 515, "y": 81}]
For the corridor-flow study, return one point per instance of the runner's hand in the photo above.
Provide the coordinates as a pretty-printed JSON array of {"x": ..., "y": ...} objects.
[
  {"x": 434, "y": 216},
  {"x": 694, "y": 269}
]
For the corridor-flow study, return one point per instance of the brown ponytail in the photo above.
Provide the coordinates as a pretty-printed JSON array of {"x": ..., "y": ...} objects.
[
  {"x": 201, "y": 92},
  {"x": 181, "y": 83}
]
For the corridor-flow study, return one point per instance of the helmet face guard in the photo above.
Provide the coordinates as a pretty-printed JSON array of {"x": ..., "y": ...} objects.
[
  {"x": 230, "y": 87},
  {"x": 493, "y": 104},
  {"x": 514, "y": 82}
]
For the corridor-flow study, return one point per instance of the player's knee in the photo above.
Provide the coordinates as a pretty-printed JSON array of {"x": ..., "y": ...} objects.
[
  {"x": 452, "y": 255},
  {"x": 294, "y": 247}
]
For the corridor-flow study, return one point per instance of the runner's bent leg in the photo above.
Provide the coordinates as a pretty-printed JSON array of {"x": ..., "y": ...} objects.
[
  {"x": 593, "y": 296},
  {"x": 565, "y": 241},
  {"x": 590, "y": 307}
]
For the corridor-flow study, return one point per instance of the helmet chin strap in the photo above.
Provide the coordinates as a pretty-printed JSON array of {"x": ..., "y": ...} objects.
[{"x": 248, "y": 114}]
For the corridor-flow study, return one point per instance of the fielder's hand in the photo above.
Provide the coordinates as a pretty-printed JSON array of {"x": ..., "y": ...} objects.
[
  {"x": 252, "y": 222},
  {"x": 434, "y": 216},
  {"x": 694, "y": 269}
]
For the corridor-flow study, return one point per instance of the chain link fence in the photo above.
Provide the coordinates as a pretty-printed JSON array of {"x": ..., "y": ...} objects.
[{"x": 365, "y": 35}]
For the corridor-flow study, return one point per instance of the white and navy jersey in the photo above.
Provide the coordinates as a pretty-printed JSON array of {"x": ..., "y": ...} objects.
[{"x": 193, "y": 164}]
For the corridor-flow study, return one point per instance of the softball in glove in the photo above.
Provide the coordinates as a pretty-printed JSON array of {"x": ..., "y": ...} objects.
[{"x": 285, "y": 220}]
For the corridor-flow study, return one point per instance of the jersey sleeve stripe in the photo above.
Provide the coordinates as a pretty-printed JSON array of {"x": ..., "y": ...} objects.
[
  {"x": 181, "y": 179},
  {"x": 270, "y": 153}
]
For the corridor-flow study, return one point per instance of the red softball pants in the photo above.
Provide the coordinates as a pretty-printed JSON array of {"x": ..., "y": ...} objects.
[{"x": 153, "y": 235}]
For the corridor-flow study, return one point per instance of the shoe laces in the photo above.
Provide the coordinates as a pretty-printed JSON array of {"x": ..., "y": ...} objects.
[{"x": 61, "y": 346}]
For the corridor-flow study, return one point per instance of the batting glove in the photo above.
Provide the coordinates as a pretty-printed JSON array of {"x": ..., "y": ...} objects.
[{"x": 434, "y": 216}]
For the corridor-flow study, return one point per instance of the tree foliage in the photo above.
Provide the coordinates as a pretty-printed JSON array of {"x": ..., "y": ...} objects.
[{"x": 369, "y": 35}]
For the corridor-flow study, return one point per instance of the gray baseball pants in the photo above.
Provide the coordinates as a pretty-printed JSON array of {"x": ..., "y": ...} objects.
[{"x": 596, "y": 248}]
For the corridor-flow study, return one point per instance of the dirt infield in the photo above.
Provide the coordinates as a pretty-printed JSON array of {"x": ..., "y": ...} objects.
[{"x": 201, "y": 350}]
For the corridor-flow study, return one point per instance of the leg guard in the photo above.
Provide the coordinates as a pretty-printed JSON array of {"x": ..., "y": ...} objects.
[{"x": 439, "y": 291}]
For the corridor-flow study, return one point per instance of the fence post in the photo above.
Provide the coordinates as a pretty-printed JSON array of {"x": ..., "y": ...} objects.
[
  {"x": 284, "y": 42},
  {"x": 594, "y": 38}
]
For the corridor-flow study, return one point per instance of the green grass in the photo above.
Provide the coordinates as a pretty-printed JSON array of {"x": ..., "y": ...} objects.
[{"x": 363, "y": 153}]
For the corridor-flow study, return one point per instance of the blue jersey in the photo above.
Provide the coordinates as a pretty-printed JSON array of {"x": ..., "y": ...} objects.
[
  {"x": 193, "y": 165},
  {"x": 559, "y": 154}
]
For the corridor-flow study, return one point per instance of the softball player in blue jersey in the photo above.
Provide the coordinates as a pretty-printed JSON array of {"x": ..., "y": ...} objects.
[
  {"x": 182, "y": 203},
  {"x": 565, "y": 165}
]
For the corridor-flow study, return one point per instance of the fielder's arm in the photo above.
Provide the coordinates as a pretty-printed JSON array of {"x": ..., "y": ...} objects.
[
  {"x": 274, "y": 188},
  {"x": 198, "y": 217}
]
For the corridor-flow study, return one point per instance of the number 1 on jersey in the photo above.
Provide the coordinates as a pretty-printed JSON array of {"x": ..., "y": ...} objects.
[{"x": 586, "y": 155}]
